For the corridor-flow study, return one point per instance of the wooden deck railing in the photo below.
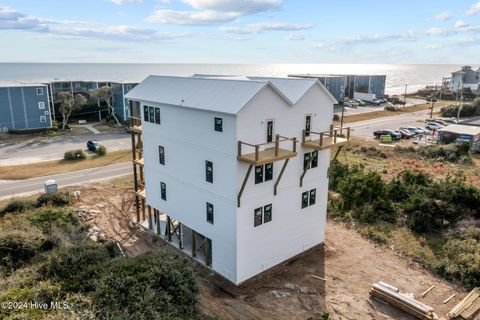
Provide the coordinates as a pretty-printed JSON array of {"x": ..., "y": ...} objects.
[
  {"x": 276, "y": 145},
  {"x": 333, "y": 136}
]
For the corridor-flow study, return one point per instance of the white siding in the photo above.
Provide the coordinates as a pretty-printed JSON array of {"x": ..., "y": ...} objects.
[
  {"x": 292, "y": 229},
  {"x": 189, "y": 139}
]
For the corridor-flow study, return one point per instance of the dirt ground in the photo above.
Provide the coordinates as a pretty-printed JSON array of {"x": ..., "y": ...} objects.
[{"x": 348, "y": 262}]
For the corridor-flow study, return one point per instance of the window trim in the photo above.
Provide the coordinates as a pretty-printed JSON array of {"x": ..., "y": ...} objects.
[
  {"x": 210, "y": 206},
  {"x": 163, "y": 191},
  {"x": 308, "y": 127},
  {"x": 269, "y": 176},
  {"x": 39, "y": 91},
  {"x": 259, "y": 178},
  {"x": 43, "y": 117},
  {"x": 209, "y": 171},
  {"x": 218, "y": 126},
  {"x": 161, "y": 155},
  {"x": 257, "y": 214},
  {"x": 273, "y": 130},
  {"x": 151, "y": 115},
  {"x": 305, "y": 195},
  {"x": 41, "y": 105},
  {"x": 314, "y": 197},
  {"x": 146, "y": 116},
  {"x": 157, "y": 118},
  {"x": 314, "y": 163},
  {"x": 270, "y": 211}
]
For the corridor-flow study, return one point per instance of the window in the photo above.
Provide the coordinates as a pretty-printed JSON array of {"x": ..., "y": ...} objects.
[
  {"x": 161, "y": 155},
  {"x": 257, "y": 215},
  {"x": 309, "y": 198},
  {"x": 268, "y": 171},
  {"x": 145, "y": 113},
  {"x": 308, "y": 122},
  {"x": 43, "y": 119},
  {"x": 209, "y": 171},
  {"x": 39, "y": 91},
  {"x": 314, "y": 162},
  {"x": 157, "y": 115},
  {"x": 313, "y": 193},
  {"x": 41, "y": 105},
  {"x": 315, "y": 159},
  {"x": 210, "y": 213},
  {"x": 151, "y": 111},
  {"x": 306, "y": 159},
  {"x": 304, "y": 199},
  {"x": 267, "y": 213},
  {"x": 219, "y": 124},
  {"x": 258, "y": 174},
  {"x": 163, "y": 191},
  {"x": 128, "y": 87},
  {"x": 269, "y": 130}
]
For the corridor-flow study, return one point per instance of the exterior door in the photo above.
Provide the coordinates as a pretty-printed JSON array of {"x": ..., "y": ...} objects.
[{"x": 270, "y": 124}]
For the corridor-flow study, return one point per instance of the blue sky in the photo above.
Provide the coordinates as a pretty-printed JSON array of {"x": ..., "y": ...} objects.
[{"x": 240, "y": 31}]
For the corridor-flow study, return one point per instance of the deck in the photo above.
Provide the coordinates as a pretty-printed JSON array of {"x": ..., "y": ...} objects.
[
  {"x": 267, "y": 152},
  {"x": 326, "y": 139}
]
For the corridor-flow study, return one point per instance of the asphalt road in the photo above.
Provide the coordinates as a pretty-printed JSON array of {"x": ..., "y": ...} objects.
[
  {"x": 11, "y": 188},
  {"x": 24, "y": 152}
]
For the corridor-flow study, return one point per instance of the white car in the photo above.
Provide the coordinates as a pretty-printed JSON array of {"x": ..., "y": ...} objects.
[{"x": 433, "y": 126}]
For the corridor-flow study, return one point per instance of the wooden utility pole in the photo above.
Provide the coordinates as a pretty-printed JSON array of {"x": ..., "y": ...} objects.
[
  {"x": 460, "y": 106},
  {"x": 434, "y": 97},
  {"x": 341, "y": 120},
  {"x": 405, "y": 95}
]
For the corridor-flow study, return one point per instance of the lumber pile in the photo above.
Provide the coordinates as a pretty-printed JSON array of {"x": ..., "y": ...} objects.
[
  {"x": 468, "y": 307},
  {"x": 392, "y": 296}
]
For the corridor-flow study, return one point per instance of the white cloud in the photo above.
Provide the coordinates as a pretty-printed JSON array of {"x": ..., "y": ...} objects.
[
  {"x": 191, "y": 17},
  {"x": 460, "y": 24},
  {"x": 266, "y": 26},
  {"x": 474, "y": 9},
  {"x": 12, "y": 19},
  {"x": 295, "y": 37},
  {"x": 443, "y": 16},
  {"x": 120, "y": 2},
  {"x": 241, "y": 7}
]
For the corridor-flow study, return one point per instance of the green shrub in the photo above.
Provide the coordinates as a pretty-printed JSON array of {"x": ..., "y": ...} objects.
[
  {"x": 101, "y": 150},
  {"x": 77, "y": 268},
  {"x": 151, "y": 286},
  {"x": 74, "y": 155},
  {"x": 58, "y": 199},
  {"x": 425, "y": 214},
  {"x": 17, "y": 247},
  {"x": 467, "y": 110},
  {"x": 456, "y": 192},
  {"x": 48, "y": 219},
  {"x": 452, "y": 152},
  {"x": 17, "y": 206}
]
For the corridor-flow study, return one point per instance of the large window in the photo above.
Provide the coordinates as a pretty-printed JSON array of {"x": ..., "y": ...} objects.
[
  {"x": 210, "y": 213},
  {"x": 145, "y": 113},
  {"x": 268, "y": 171},
  {"x": 309, "y": 198},
  {"x": 258, "y": 174},
  {"x": 262, "y": 215},
  {"x": 209, "y": 171},
  {"x": 157, "y": 115},
  {"x": 163, "y": 191},
  {"x": 315, "y": 159},
  {"x": 161, "y": 155},
  {"x": 263, "y": 173},
  {"x": 314, "y": 162},
  {"x": 151, "y": 112},
  {"x": 219, "y": 124},
  {"x": 308, "y": 123}
]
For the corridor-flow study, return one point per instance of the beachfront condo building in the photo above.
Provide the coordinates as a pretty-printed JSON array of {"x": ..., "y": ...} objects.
[
  {"x": 465, "y": 78},
  {"x": 234, "y": 171},
  {"x": 24, "y": 107}
]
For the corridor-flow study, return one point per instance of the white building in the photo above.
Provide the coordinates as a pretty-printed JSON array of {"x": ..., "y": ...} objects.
[
  {"x": 465, "y": 78},
  {"x": 202, "y": 137}
]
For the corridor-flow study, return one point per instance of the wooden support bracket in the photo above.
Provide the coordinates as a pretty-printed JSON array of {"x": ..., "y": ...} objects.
[
  {"x": 243, "y": 185},
  {"x": 334, "y": 158},
  {"x": 280, "y": 176},
  {"x": 305, "y": 170}
]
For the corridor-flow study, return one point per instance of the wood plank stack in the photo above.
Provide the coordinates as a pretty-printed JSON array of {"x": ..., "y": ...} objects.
[
  {"x": 392, "y": 296},
  {"x": 468, "y": 307}
]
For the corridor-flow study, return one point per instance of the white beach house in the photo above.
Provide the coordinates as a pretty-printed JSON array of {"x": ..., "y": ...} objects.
[
  {"x": 465, "y": 78},
  {"x": 236, "y": 170}
]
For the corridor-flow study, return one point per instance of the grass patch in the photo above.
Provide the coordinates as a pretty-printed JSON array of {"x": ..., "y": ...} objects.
[
  {"x": 102, "y": 127},
  {"x": 61, "y": 166},
  {"x": 75, "y": 131},
  {"x": 386, "y": 113}
]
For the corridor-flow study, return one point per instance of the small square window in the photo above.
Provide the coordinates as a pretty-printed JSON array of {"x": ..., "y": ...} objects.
[
  {"x": 157, "y": 115},
  {"x": 313, "y": 193},
  {"x": 258, "y": 174},
  {"x": 210, "y": 213},
  {"x": 163, "y": 191},
  {"x": 161, "y": 155},
  {"x": 267, "y": 213},
  {"x": 268, "y": 171},
  {"x": 257, "y": 215},
  {"x": 209, "y": 171},
  {"x": 145, "y": 113},
  {"x": 43, "y": 119},
  {"x": 41, "y": 105},
  {"x": 39, "y": 91},
  {"x": 151, "y": 112},
  {"x": 304, "y": 199},
  {"x": 219, "y": 124},
  {"x": 315, "y": 159}
]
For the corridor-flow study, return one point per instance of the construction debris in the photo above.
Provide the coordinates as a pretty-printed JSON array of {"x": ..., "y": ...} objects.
[
  {"x": 390, "y": 294},
  {"x": 449, "y": 298},
  {"x": 427, "y": 291},
  {"x": 319, "y": 278},
  {"x": 468, "y": 307}
]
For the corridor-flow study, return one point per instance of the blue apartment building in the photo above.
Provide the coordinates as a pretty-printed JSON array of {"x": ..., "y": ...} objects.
[{"x": 24, "y": 106}]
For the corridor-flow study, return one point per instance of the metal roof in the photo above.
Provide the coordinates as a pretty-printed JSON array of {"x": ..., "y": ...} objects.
[
  {"x": 461, "y": 129},
  {"x": 218, "y": 95},
  {"x": 295, "y": 88},
  {"x": 20, "y": 84}
]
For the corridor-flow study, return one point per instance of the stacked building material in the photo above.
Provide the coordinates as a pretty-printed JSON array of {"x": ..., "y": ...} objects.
[
  {"x": 392, "y": 296},
  {"x": 468, "y": 307}
]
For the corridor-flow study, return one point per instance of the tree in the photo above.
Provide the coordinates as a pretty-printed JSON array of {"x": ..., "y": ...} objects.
[
  {"x": 69, "y": 103},
  {"x": 105, "y": 95}
]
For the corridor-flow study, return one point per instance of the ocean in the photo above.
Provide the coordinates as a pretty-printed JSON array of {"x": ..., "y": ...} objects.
[{"x": 416, "y": 76}]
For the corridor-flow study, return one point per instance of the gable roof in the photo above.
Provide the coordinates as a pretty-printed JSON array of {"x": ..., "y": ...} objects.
[
  {"x": 218, "y": 95},
  {"x": 295, "y": 88}
]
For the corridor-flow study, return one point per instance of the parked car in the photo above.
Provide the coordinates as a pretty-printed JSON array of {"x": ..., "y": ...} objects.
[
  {"x": 412, "y": 130},
  {"x": 434, "y": 126},
  {"x": 422, "y": 130},
  {"x": 441, "y": 122},
  {"x": 360, "y": 102},
  {"x": 351, "y": 104},
  {"x": 406, "y": 134},
  {"x": 449, "y": 121},
  {"x": 93, "y": 145},
  {"x": 377, "y": 101},
  {"x": 387, "y": 132}
]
